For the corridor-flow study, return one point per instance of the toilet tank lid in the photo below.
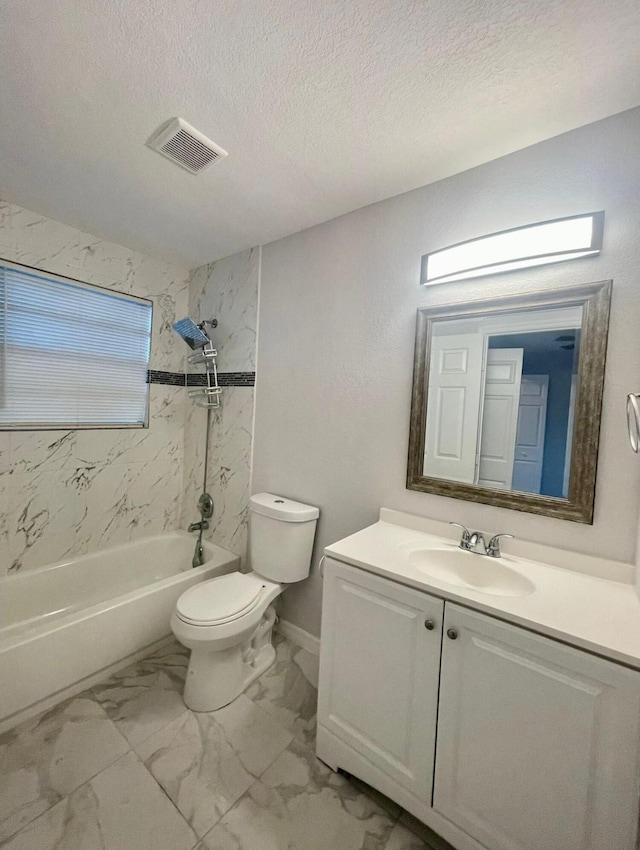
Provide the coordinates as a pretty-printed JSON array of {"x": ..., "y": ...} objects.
[{"x": 286, "y": 510}]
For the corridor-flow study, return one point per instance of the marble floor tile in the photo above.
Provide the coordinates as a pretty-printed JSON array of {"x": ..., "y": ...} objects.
[
  {"x": 255, "y": 736},
  {"x": 299, "y": 804},
  {"x": 205, "y": 762},
  {"x": 391, "y": 808},
  {"x": 308, "y": 662},
  {"x": 287, "y": 692},
  {"x": 423, "y": 832},
  {"x": 122, "y": 808},
  {"x": 45, "y": 759},
  {"x": 241, "y": 778},
  {"x": 402, "y": 838},
  {"x": 146, "y": 696}
]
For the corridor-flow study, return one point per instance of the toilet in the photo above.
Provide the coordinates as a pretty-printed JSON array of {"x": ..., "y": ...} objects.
[{"x": 226, "y": 622}]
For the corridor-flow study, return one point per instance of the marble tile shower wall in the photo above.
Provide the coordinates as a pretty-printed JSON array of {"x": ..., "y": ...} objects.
[
  {"x": 228, "y": 291},
  {"x": 63, "y": 492}
]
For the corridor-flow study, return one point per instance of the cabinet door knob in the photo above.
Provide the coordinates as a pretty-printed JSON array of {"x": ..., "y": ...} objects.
[
  {"x": 452, "y": 634},
  {"x": 429, "y": 625}
]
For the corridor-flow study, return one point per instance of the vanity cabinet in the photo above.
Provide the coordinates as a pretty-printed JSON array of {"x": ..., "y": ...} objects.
[
  {"x": 537, "y": 741},
  {"x": 379, "y": 672}
]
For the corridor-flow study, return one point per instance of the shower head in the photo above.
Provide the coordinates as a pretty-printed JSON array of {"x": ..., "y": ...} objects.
[{"x": 192, "y": 334}]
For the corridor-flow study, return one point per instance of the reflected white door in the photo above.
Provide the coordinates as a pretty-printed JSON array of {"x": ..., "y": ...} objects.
[
  {"x": 500, "y": 417},
  {"x": 532, "y": 420},
  {"x": 453, "y": 406}
]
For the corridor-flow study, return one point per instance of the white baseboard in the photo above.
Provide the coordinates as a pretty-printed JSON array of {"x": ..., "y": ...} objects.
[{"x": 298, "y": 636}]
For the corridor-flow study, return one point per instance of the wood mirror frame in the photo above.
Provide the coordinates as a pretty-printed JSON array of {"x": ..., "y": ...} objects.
[{"x": 595, "y": 299}]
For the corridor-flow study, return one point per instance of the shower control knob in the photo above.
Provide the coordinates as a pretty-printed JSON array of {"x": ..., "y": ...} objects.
[{"x": 205, "y": 506}]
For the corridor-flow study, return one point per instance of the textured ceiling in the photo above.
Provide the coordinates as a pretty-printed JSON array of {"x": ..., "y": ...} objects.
[{"x": 323, "y": 105}]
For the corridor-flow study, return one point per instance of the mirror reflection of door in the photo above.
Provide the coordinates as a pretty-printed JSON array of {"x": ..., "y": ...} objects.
[
  {"x": 503, "y": 376},
  {"x": 545, "y": 418},
  {"x": 455, "y": 393},
  {"x": 500, "y": 401},
  {"x": 532, "y": 422}
]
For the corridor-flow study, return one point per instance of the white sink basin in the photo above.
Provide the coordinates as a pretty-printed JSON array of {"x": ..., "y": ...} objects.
[{"x": 466, "y": 569}]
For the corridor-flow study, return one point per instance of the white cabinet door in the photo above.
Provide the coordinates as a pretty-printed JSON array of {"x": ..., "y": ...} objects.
[
  {"x": 453, "y": 406},
  {"x": 537, "y": 741},
  {"x": 379, "y": 669}
]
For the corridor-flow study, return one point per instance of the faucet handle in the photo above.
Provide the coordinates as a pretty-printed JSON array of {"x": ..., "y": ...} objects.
[
  {"x": 466, "y": 534},
  {"x": 493, "y": 547}
]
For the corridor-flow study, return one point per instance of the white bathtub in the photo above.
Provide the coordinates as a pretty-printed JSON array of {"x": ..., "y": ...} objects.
[{"x": 63, "y": 625}]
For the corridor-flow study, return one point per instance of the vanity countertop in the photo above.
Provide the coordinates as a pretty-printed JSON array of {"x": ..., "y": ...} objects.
[{"x": 594, "y": 613}]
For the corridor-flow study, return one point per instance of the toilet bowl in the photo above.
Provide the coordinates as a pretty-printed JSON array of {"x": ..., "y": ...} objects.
[
  {"x": 219, "y": 621},
  {"x": 227, "y": 621}
]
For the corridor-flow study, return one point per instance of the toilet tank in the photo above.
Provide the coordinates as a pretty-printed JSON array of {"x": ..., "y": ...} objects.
[{"x": 281, "y": 534}]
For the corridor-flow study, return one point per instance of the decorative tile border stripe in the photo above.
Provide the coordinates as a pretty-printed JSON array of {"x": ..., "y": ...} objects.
[
  {"x": 225, "y": 379},
  {"x": 177, "y": 379},
  {"x": 173, "y": 378}
]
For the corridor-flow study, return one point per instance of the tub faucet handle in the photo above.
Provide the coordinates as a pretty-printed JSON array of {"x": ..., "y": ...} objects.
[
  {"x": 203, "y": 525},
  {"x": 205, "y": 506}
]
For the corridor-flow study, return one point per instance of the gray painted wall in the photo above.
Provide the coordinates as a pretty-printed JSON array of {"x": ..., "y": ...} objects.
[{"x": 337, "y": 322}]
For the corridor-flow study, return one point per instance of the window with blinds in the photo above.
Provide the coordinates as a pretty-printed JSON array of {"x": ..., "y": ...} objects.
[{"x": 72, "y": 355}]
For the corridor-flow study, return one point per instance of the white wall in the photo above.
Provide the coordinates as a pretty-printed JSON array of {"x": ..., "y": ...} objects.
[
  {"x": 228, "y": 291},
  {"x": 63, "y": 492},
  {"x": 337, "y": 323}
]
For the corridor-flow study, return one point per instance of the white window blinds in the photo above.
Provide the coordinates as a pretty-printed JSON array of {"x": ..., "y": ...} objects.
[{"x": 71, "y": 355}]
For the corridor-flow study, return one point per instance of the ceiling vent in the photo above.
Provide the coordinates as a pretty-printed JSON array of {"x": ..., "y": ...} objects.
[{"x": 184, "y": 145}]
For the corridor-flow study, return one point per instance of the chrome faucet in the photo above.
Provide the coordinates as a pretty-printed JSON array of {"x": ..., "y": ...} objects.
[
  {"x": 493, "y": 547},
  {"x": 205, "y": 506},
  {"x": 473, "y": 541},
  {"x": 198, "y": 552}
]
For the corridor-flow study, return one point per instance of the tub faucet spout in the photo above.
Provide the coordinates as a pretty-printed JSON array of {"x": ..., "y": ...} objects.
[{"x": 198, "y": 555}]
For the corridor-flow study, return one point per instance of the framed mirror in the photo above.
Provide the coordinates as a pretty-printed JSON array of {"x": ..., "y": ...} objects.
[{"x": 506, "y": 402}]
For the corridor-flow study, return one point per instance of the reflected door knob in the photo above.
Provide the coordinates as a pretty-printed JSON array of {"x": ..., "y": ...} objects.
[
  {"x": 429, "y": 625},
  {"x": 452, "y": 634}
]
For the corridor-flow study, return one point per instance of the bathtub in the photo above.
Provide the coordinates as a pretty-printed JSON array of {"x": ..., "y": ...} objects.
[{"x": 65, "y": 626}]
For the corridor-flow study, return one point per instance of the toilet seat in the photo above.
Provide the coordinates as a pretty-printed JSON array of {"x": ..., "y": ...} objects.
[{"x": 221, "y": 600}]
